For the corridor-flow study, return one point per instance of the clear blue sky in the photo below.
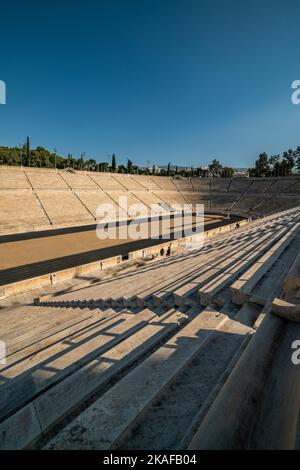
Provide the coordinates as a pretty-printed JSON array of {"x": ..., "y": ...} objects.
[{"x": 160, "y": 80}]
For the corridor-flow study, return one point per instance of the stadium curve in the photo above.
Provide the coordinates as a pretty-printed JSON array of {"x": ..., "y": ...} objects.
[{"x": 212, "y": 327}]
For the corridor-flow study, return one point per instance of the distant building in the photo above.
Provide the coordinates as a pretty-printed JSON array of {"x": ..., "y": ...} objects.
[
  {"x": 150, "y": 169},
  {"x": 241, "y": 173}
]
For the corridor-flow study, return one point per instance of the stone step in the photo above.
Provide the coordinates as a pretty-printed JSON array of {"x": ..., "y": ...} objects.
[
  {"x": 33, "y": 421},
  {"x": 170, "y": 283},
  {"x": 164, "y": 423},
  {"x": 266, "y": 376},
  {"x": 37, "y": 319},
  {"x": 219, "y": 282},
  {"x": 181, "y": 290},
  {"x": 29, "y": 344},
  {"x": 160, "y": 297},
  {"x": 145, "y": 276},
  {"x": 175, "y": 275},
  {"x": 242, "y": 288},
  {"x": 248, "y": 314},
  {"x": 105, "y": 423},
  {"x": 48, "y": 367},
  {"x": 191, "y": 430},
  {"x": 182, "y": 294},
  {"x": 272, "y": 283}
]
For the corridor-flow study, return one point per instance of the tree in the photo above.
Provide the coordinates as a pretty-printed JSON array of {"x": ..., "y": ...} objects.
[
  {"x": 286, "y": 166},
  {"x": 135, "y": 169},
  {"x": 297, "y": 158},
  {"x": 169, "y": 169},
  {"x": 277, "y": 165},
  {"x": 227, "y": 172},
  {"x": 113, "y": 163},
  {"x": 215, "y": 167},
  {"x": 273, "y": 161},
  {"x": 290, "y": 158},
  {"x": 103, "y": 166},
  {"x": 91, "y": 164},
  {"x": 28, "y": 151},
  {"x": 129, "y": 166},
  {"x": 122, "y": 169},
  {"x": 10, "y": 156},
  {"x": 262, "y": 167},
  {"x": 82, "y": 161}
]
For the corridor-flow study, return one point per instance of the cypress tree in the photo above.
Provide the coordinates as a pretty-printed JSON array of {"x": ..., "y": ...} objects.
[
  {"x": 113, "y": 163},
  {"x": 28, "y": 151}
]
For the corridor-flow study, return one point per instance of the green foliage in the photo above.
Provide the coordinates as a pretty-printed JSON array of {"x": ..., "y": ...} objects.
[
  {"x": 215, "y": 168},
  {"x": 104, "y": 167},
  {"x": 28, "y": 151},
  {"x": 277, "y": 165},
  {"x": 122, "y": 169},
  {"x": 227, "y": 172},
  {"x": 262, "y": 167},
  {"x": 129, "y": 166},
  {"x": 113, "y": 163}
]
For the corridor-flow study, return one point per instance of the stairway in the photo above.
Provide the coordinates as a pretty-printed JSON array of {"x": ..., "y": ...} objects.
[{"x": 177, "y": 354}]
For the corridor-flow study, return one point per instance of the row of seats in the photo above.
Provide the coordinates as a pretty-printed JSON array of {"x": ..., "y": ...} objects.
[
  {"x": 28, "y": 211},
  {"x": 239, "y": 185},
  {"x": 33, "y": 199},
  {"x": 79, "y": 362},
  {"x": 25, "y": 210},
  {"x": 35, "y": 178}
]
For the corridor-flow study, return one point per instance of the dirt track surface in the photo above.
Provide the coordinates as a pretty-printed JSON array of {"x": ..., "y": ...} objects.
[{"x": 31, "y": 255}]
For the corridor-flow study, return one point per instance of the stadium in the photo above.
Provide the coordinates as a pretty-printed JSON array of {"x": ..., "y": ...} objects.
[
  {"x": 155, "y": 343},
  {"x": 149, "y": 232}
]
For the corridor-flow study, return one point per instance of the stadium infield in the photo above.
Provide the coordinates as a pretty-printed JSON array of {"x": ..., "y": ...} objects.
[{"x": 23, "y": 256}]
